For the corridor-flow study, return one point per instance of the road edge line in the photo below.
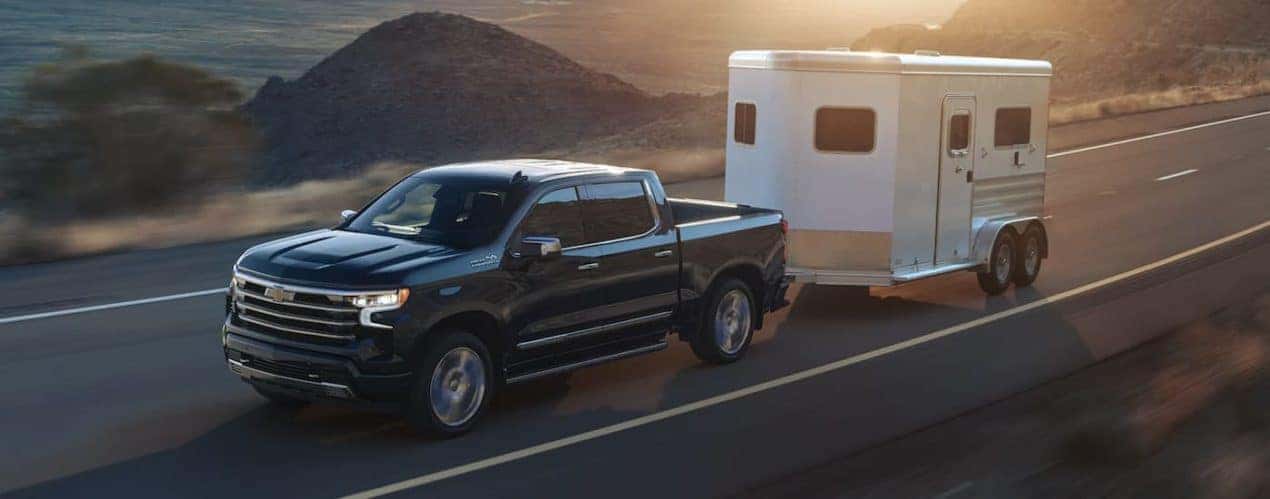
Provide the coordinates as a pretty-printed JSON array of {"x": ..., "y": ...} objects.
[
  {"x": 789, "y": 378},
  {"x": 108, "y": 306}
]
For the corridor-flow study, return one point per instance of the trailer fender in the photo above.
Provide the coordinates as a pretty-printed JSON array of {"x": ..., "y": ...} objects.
[{"x": 987, "y": 235}]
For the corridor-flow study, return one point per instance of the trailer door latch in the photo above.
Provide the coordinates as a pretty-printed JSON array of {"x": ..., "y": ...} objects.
[{"x": 970, "y": 175}]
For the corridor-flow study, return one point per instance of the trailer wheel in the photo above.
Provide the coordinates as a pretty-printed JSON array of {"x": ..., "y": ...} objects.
[
  {"x": 1028, "y": 260},
  {"x": 995, "y": 279},
  {"x": 728, "y": 324},
  {"x": 452, "y": 387}
]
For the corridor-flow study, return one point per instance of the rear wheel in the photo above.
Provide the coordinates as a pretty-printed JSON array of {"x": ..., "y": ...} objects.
[
  {"x": 452, "y": 387},
  {"x": 1028, "y": 260},
  {"x": 995, "y": 279},
  {"x": 728, "y": 324}
]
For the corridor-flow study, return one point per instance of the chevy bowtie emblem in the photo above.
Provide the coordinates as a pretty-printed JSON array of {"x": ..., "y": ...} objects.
[{"x": 279, "y": 294}]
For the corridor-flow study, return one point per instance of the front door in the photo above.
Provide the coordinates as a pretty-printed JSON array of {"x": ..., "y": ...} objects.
[{"x": 956, "y": 177}]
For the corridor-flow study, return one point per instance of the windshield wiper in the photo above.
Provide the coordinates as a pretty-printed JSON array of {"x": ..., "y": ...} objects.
[{"x": 397, "y": 229}]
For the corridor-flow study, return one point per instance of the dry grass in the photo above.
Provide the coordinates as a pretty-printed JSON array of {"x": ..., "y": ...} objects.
[
  {"x": 1061, "y": 114},
  {"x": 317, "y": 203}
]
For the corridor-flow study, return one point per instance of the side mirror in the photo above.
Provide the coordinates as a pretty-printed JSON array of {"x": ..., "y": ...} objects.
[
  {"x": 347, "y": 215},
  {"x": 542, "y": 248}
]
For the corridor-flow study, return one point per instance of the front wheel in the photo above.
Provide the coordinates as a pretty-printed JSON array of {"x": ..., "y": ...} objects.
[
  {"x": 452, "y": 387},
  {"x": 728, "y": 324},
  {"x": 996, "y": 278}
]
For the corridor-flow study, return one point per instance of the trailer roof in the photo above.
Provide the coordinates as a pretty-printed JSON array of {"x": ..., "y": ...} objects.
[{"x": 845, "y": 61}]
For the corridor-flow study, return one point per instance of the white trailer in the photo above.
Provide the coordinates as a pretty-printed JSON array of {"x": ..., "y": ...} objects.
[{"x": 894, "y": 167}]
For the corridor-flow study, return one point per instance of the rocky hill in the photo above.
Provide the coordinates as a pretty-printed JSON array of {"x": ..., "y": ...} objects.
[
  {"x": 435, "y": 88},
  {"x": 1103, "y": 48}
]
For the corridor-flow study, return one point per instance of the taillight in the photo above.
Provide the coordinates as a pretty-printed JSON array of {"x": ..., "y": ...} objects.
[{"x": 784, "y": 226}]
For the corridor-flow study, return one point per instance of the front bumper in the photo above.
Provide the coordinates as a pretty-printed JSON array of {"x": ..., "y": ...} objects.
[{"x": 308, "y": 375}]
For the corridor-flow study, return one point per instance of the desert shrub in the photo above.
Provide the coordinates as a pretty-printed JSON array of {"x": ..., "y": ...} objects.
[{"x": 103, "y": 138}]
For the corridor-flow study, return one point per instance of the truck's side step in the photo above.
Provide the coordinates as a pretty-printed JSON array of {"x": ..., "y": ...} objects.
[{"x": 660, "y": 344}]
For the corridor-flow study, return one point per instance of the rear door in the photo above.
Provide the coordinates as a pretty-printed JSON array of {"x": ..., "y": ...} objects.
[
  {"x": 956, "y": 174},
  {"x": 639, "y": 264},
  {"x": 565, "y": 293}
]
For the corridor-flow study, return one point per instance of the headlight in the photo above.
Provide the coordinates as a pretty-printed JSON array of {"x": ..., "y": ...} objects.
[{"x": 381, "y": 300}]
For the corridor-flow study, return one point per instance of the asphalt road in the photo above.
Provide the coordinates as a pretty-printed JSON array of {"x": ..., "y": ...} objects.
[{"x": 137, "y": 400}]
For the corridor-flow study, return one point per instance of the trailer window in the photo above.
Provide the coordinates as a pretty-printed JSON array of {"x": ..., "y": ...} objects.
[
  {"x": 959, "y": 133},
  {"x": 744, "y": 123},
  {"x": 840, "y": 129},
  {"x": 557, "y": 214},
  {"x": 1014, "y": 126},
  {"x": 616, "y": 210}
]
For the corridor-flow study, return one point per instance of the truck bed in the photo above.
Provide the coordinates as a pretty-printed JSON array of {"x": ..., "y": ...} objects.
[{"x": 690, "y": 211}]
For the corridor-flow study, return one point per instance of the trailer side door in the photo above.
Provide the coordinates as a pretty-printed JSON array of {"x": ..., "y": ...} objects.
[{"x": 956, "y": 177}]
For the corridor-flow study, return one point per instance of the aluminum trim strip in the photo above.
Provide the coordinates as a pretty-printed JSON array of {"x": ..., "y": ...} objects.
[
  {"x": 551, "y": 340},
  {"x": 246, "y": 371},
  {"x": 258, "y": 296},
  {"x": 287, "y": 316},
  {"x": 261, "y": 322},
  {"x": 590, "y": 362}
]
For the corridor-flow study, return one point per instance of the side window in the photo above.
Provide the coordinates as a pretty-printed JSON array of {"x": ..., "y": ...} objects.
[
  {"x": 842, "y": 129},
  {"x": 616, "y": 210},
  {"x": 745, "y": 119},
  {"x": 959, "y": 133},
  {"x": 558, "y": 214},
  {"x": 1014, "y": 126}
]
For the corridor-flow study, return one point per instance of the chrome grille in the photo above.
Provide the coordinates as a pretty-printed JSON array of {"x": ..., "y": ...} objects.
[{"x": 279, "y": 310}]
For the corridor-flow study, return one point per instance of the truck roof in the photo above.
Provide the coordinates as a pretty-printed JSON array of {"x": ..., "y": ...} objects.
[
  {"x": 846, "y": 61},
  {"x": 535, "y": 170}
]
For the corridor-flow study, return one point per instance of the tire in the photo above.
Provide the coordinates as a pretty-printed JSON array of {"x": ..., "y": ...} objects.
[
  {"x": 727, "y": 326},
  {"x": 280, "y": 400},
  {"x": 997, "y": 277},
  {"x": 456, "y": 368},
  {"x": 1028, "y": 259}
]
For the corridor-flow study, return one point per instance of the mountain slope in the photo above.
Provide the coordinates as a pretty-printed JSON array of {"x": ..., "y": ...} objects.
[
  {"x": 434, "y": 88},
  {"x": 1104, "y": 48}
]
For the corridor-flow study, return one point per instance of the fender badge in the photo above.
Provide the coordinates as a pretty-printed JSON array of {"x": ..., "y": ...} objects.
[{"x": 490, "y": 259}]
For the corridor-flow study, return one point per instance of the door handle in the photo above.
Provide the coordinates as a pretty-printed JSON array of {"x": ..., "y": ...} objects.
[
  {"x": 589, "y": 266},
  {"x": 663, "y": 253}
]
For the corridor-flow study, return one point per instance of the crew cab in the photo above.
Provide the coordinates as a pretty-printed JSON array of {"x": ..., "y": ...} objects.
[{"x": 462, "y": 279}]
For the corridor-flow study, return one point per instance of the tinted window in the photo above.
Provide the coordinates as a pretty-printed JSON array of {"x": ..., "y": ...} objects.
[
  {"x": 616, "y": 210},
  {"x": 558, "y": 214},
  {"x": 744, "y": 123},
  {"x": 959, "y": 133},
  {"x": 1014, "y": 126},
  {"x": 845, "y": 129}
]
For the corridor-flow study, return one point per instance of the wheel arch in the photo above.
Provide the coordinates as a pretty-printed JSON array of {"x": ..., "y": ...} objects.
[
  {"x": 987, "y": 236},
  {"x": 484, "y": 324}
]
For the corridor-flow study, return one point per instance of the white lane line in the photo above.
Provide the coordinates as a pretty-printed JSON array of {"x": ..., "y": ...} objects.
[
  {"x": 787, "y": 379},
  {"x": 1157, "y": 135},
  {"x": 1176, "y": 175},
  {"x": 108, "y": 306},
  {"x": 8, "y": 320}
]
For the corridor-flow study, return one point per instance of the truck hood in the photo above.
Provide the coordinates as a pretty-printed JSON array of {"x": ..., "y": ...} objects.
[{"x": 342, "y": 259}]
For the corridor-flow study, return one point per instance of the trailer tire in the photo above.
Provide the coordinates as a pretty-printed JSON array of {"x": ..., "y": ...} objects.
[
  {"x": 996, "y": 278},
  {"x": 727, "y": 326},
  {"x": 453, "y": 384},
  {"x": 1028, "y": 260}
]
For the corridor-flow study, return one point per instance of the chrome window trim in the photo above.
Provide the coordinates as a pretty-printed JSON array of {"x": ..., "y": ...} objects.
[
  {"x": 602, "y": 328},
  {"x": 652, "y": 207}
]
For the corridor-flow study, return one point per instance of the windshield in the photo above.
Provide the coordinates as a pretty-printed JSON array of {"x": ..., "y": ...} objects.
[{"x": 457, "y": 214}]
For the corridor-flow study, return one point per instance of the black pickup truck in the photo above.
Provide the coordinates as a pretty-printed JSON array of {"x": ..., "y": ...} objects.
[{"x": 461, "y": 279}]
